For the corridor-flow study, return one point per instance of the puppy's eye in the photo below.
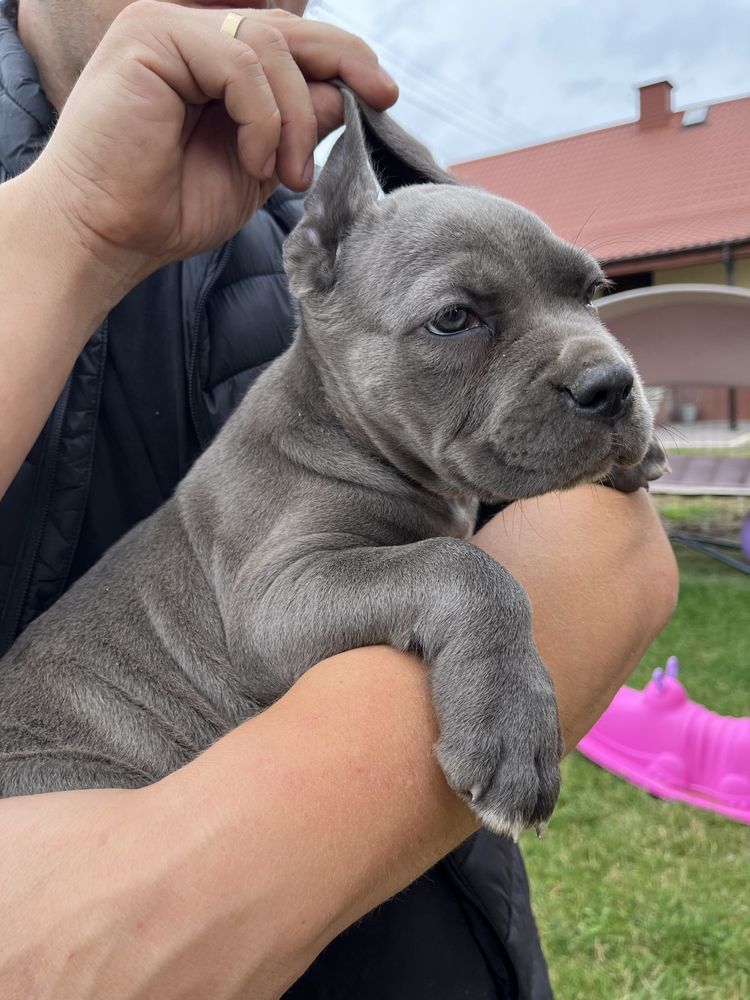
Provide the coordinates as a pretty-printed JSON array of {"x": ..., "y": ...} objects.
[
  {"x": 588, "y": 295},
  {"x": 454, "y": 319}
]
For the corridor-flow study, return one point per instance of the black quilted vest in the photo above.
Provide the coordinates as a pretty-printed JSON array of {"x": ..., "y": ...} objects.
[{"x": 149, "y": 391}]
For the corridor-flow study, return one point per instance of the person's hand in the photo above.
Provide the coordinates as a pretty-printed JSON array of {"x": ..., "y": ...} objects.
[{"x": 176, "y": 132}]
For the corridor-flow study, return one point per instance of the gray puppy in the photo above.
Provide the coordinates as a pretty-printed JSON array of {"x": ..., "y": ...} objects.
[{"x": 447, "y": 353}]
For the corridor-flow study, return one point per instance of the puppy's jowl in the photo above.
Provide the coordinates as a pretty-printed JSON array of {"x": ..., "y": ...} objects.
[{"x": 447, "y": 353}]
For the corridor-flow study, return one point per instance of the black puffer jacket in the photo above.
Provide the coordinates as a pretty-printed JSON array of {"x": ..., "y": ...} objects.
[{"x": 151, "y": 388}]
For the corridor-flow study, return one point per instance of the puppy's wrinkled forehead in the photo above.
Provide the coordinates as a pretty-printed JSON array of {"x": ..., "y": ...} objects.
[{"x": 436, "y": 240}]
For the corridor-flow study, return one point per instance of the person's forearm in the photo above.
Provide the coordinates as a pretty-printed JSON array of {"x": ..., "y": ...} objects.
[
  {"x": 338, "y": 792},
  {"x": 338, "y": 781},
  {"x": 54, "y": 296}
]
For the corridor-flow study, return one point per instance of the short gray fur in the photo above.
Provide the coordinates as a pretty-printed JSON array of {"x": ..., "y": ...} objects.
[{"x": 335, "y": 508}]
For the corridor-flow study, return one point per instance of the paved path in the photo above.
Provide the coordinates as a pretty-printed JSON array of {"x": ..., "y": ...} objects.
[{"x": 696, "y": 475}]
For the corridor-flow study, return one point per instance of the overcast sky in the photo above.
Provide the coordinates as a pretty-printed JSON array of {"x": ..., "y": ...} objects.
[{"x": 480, "y": 76}]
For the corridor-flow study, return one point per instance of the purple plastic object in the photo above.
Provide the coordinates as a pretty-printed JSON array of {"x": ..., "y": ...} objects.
[
  {"x": 673, "y": 747},
  {"x": 745, "y": 538}
]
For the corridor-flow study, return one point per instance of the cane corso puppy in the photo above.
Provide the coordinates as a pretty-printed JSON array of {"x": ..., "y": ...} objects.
[{"x": 447, "y": 353}]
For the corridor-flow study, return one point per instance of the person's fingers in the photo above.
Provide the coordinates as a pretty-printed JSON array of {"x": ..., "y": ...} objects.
[
  {"x": 299, "y": 125},
  {"x": 263, "y": 91},
  {"x": 200, "y": 63},
  {"x": 251, "y": 103},
  {"x": 267, "y": 77},
  {"x": 323, "y": 51}
]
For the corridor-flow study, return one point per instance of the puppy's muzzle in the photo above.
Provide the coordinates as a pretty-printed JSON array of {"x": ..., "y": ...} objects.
[{"x": 604, "y": 393}]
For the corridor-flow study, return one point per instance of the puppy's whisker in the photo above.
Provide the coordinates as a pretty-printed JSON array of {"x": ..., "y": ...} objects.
[
  {"x": 678, "y": 437},
  {"x": 586, "y": 222}
]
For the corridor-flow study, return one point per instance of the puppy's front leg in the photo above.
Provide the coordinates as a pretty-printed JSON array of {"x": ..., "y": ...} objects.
[{"x": 500, "y": 742}]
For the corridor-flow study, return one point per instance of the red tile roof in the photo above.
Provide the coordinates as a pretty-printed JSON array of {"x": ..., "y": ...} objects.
[{"x": 631, "y": 191}]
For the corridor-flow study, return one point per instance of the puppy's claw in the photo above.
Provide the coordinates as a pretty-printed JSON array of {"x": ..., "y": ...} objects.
[
  {"x": 475, "y": 793},
  {"x": 504, "y": 826},
  {"x": 541, "y": 829}
]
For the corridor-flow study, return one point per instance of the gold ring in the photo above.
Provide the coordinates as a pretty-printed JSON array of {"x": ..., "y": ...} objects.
[{"x": 231, "y": 24}]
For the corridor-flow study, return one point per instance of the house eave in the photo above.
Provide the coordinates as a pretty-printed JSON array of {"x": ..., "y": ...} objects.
[{"x": 705, "y": 253}]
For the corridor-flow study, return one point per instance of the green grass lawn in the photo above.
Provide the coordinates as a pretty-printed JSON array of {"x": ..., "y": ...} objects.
[
  {"x": 637, "y": 897},
  {"x": 721, "y": 517}
]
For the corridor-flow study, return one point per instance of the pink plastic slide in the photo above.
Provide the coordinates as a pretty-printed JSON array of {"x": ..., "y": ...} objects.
[{"x": 673, "y": 747}]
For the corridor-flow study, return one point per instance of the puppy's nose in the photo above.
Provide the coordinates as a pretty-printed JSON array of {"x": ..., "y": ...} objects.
[{"x": 602, "y": 392}]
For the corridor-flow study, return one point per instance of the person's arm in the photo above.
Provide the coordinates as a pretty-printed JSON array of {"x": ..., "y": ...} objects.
[
  {"x": 228, "y": 877},
  {"x": 54, "y": 295},
  {"x": 147, "y": 166}
]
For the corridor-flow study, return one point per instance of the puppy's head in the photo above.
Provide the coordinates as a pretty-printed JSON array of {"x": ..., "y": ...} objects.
[{"x": 453, "y": 331}]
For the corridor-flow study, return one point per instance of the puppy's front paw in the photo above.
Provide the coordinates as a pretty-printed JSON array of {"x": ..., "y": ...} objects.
[
  {"x": 655, "y": 463},
  {"x": 500, "y": 748}
]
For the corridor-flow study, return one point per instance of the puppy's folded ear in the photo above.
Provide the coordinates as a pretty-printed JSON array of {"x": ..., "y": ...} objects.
[
  {"x": 397, "y": 158},
  {"x": 372, "y": 145}
]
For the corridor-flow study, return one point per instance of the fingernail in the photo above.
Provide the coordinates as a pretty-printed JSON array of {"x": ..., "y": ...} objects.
[
  {"x": 309, "y": 172},
  {"x": 270, "y": 165}
]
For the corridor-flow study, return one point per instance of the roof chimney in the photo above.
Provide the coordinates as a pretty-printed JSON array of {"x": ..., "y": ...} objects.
[{"x": 655, "y": 103}]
